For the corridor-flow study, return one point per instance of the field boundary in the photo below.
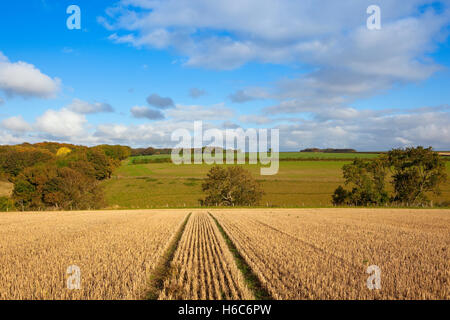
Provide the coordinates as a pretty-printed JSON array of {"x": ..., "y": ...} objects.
[
  {"x": 162, "y": 269},
  {"x": 251, "y": 279}
]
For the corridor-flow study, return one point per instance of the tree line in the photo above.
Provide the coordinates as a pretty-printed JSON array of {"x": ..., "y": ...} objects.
[
  {"x": 403, "y": 177},
  {"x": 64, "y": 176},
  {"x": 58, "y": 176}
]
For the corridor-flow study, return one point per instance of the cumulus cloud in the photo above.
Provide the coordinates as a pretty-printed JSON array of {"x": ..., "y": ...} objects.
[
  {"x": 16, "y": 124},
  {"x": 84, "y": 107},
  {"x": 240, "y": 96},
  {"x": 8, "y": 137},
  {"x": 156, "y": 134},
  {"x": 61, "y": 124},
  {"x": 25, "y": 80},
  {"x": 256, "y": 119},
  {"x": 145, "y": 112},
  {"x": 157, "y": 101},
  {"x": 353, "y": 67},
  {"x": 249, "y": 94},
  {"x": 345, "y": 60},
  {"x": 196, "y": 93},
  {"x": 275, "y": 31},
  {"x": 367, "y": 130},
  {"x": 230, "y": 125},
  {"x": 195, "y": 112},
  {"x": 363, "y": 130}
]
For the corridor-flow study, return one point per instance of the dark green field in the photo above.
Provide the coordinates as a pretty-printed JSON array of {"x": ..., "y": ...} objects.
[
  {"x": 283, "y": 156},
  {"x": 298, "y": 183}
]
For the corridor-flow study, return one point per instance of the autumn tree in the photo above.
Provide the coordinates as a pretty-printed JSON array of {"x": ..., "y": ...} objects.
[
  {"x": 63, "y": 151},
  {"x": 14, "y": 159},
  {"x": 367, "y": 179},
  {"x": 116, "y": 152},
  {"x": 102, "y": 164},
  {"x": 49, "y": 186},
  {"x": 415, "y": 172},
  {"x": 231, "y": 186},
  {"x": 54, "y": 175}
]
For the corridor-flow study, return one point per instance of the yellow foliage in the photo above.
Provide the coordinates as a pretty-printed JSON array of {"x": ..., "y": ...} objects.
[{"x": 63, "y": 151}]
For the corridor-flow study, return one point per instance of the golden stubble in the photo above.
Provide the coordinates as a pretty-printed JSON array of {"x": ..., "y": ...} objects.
[
  {"x": 115, "y": 251},
  {"x": 203, "y": 268},
  {"x": 324, "y": 253}
]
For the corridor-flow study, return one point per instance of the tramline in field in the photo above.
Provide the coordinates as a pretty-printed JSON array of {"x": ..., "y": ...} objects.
[
  {"x": 226, "y": 254},
  {"x": 324, "y": 253},
  {"x": 203, "y": 267}
]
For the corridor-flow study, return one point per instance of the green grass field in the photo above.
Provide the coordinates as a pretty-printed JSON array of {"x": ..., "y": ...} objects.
[
  {"x": 283, "y": 156},
  {"x": 297, "y": 184}
]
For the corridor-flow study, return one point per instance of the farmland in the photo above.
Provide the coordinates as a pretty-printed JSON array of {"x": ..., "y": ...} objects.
[
  {"x": 283, "y": 156},
  {"x": 203, "y": 267},
  {"x": 323, "y": 254},
  {"x": 304, "y": 183},
  {"x": 115, "y": 252},
  {"x": 293, "y": 253}
]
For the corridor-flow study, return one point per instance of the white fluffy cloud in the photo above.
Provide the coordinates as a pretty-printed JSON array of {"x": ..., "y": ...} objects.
[
  {"x": 61, "y": 124},
  {"x": 276, "y": 31},
  {"x": 364, "y": 130},
  {"x": 80, "y": 106},
  {"x": 345, "y": 60},
  {"x": 369, "y": 130},
  {"x": 16, "y": 124},
  {"x": 339, "y": 128},
  {"x": 24, "y": 79}
]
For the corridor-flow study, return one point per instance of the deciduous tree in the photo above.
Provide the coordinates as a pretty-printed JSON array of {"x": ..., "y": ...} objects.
[{"x": 231, "y": 186}]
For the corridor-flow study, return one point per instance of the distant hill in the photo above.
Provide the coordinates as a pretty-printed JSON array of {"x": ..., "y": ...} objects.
[{"x": 329, "y": 150}]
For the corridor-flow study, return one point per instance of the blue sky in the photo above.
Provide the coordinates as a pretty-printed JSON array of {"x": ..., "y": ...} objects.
[{"x": 314, "y": 71}]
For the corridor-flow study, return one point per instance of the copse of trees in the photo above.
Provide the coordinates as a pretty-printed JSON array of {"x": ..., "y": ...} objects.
[
  {"x": 231, "y": 186},
  {"x": 368, "y": 179},
  {"x": 413, "y": 172},
  {"x": 53, "y": 147},
  {"x": 14, "y": 159},
  {"x": 329, "y": 150},
  {"x": 50, "y": 186},
  {"x": 416, "y": 172},
  {"x": 116, "y": 152},
  {"x": 59, "y": 176},
  {"x": 149, "y": 151}
]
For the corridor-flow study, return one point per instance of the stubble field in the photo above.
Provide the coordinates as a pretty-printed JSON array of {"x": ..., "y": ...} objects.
[
  {"x": 324, "y": 253},
  {"x": 293, "y": 253},
  {"x": 115, "y": 252},
  {"x": 203, "y": 267}
]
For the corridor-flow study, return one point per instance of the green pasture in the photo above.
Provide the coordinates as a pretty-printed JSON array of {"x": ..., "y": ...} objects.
[
  {"x": 297, "y": 184},
  {"x": 283, "y": 156}
]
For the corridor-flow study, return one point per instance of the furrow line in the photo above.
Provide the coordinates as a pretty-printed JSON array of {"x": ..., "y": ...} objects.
[
  {"x": 162, "y": 269},
  {"x": 251, "y": 279}
]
